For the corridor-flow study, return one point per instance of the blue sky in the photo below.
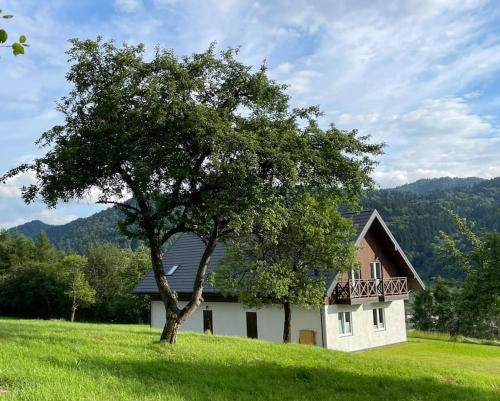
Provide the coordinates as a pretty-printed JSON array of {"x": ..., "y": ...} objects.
[{"x": 420, "y": 75}]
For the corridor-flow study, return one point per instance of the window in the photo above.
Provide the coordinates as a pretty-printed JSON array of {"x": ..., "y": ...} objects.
[
  {"x": 345, "y": 323},
  {"x": 378, "y": 318},
  {"x": 355, "y": 274},
  {"x": 376, "y": 269},
  {"x": 172, "y": 270}
]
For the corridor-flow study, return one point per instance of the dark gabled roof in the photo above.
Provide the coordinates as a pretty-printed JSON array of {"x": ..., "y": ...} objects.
[
  {"x": 359, "y": 219},
  {"x": 187, "y": 250}
]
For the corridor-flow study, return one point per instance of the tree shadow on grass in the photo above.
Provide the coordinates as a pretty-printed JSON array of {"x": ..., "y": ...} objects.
[{"x": 195, "y": 379}]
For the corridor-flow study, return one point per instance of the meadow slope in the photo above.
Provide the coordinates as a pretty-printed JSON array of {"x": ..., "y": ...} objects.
[{"x": 53, "y": 360}]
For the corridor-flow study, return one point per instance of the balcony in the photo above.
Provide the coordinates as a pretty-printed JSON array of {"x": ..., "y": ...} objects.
[{"x": 372, "y": 290}]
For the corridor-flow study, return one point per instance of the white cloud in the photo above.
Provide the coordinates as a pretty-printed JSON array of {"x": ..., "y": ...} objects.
[
  {"x": 442, "y": 137},
  {"x": 128, "y": 5},
  {"x": 12, "y": 188}
]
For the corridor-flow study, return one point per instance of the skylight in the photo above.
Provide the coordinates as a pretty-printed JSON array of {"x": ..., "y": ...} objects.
[{"x": 172, "y": 270}]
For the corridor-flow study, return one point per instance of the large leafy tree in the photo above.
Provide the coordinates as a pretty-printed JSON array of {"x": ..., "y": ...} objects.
[
  {"x": 202, "y": 143},
  {"x": 289, "y": 264}
]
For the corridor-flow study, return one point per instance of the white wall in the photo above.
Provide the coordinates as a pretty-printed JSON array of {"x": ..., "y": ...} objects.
[
  {"x": 229, "y": 318},
  {"x": 363, "y": 334}
]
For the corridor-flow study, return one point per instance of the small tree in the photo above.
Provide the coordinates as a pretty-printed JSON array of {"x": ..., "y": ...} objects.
[
  {"x": 477, "y": 259},
  {"x": 203, "y": 144},
  {"x": 79, "y": 290},
  {"x": 289, "y": 264}
]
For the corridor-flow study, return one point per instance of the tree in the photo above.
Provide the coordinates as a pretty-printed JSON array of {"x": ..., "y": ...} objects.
[
  {"x": 422, "y": 305},
  {"x": 477, "y": 258},
  {"x": 203, "y": 144},
  {"x": 31, "y": 284},
  {"x": 289, "y": 265},
  {"x": 79, "y": 290},
  {"x": 435, "y": 308},
  {"x": 17, "y": 47},
  {"x": 113, "y": 272}
]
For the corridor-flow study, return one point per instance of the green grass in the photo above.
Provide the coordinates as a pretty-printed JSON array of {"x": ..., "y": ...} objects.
[
  {"x": 432, "y": 335},
  {"x": 55, "y": 360}
]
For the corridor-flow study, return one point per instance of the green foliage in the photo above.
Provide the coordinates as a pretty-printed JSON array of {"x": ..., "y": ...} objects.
[
  {"x": 17, "y": 47},
  {"x": 443, "y": 183},
  {"x": 472, "y": 306},
  {"x": 78, "y": 290},
  {"x": 55, "y": 360},
  {"x": 78, "y": 235},
  {"x": 416, "y": 219},
  {"x": 435, "y": 308},
  {"x": 114, "y": 272},
  {"x": 289, "y": 262},
  {"x": 36, "y": 281},
  {"x": 204, "y": 143}
]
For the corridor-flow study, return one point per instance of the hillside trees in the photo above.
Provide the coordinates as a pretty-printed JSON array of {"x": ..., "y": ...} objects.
[
  {"x": 203, "y": 144},
  {"x": 469, "y": 306},
  {"x": 36, "y": 281}
]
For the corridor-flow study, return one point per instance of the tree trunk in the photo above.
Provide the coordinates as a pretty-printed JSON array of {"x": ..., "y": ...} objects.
[
  {"x": 73, "y": 312},
  {"x": 287, "y": 327},
  {"x": 169, "y": 333},
  {"x": 197, "y": 294},
  {"x": 49, "y": 307},
  {"x": 174, "y": 315}
]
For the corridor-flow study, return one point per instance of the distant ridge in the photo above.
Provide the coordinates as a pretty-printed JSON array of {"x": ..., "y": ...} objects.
[
  {"x": 78, "y": 234},
  {"x": 442, "y": 183},
  {"x": 414, "y": 212}
]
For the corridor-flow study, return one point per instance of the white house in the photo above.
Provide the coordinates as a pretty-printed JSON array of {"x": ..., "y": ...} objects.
[{"x": 362, "y": 309}]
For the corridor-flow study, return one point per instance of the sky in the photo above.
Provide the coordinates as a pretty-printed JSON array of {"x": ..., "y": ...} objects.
[{"x": 422, "y": 76}]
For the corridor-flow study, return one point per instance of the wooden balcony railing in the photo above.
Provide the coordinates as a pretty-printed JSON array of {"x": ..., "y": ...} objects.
[{"x": 355, "y": 291}]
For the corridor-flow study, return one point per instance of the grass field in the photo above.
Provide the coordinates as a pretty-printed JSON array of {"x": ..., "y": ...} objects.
[{"x": 54, "y": 360}]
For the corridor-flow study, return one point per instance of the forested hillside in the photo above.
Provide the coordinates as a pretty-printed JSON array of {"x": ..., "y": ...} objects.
[
  {"x": 443, "y": 183},
  {"x": 414, "y": 212},
  {"x": 77, "y": 235},
  {"x": 416, "y": 218}
]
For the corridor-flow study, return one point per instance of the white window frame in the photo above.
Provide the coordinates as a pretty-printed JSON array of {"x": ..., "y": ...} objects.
[
  {"x": 378, "y": 319},
  {"x": 341, "y": 320},
  {"x": 376, "y": 269}
]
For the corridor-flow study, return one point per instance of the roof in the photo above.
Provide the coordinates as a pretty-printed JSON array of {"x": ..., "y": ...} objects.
[{"x": 187, "y": 250}]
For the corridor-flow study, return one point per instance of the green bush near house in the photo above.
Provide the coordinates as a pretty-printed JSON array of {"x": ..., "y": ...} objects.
[{"x": 56, "y": 360}]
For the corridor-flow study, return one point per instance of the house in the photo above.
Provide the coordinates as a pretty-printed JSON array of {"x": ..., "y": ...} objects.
[{"x": 362, "y": 309}]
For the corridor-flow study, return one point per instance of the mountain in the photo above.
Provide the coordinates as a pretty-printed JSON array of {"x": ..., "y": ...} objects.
[
  {"x": 415, "y": 213},
  {"x": 431, "y": 184},
  {"x": 415, "y": 218},
  {"x": 78, "y": 234}
]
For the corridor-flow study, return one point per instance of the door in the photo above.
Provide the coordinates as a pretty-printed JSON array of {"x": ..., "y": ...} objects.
[
  {"x": 354, "y": 276},
  {"x": 307, "y": 337},
  {"x": 208, "y": 325},
  {"x": 376, "y": 270},
  {"x": 252, "y": 325}
]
